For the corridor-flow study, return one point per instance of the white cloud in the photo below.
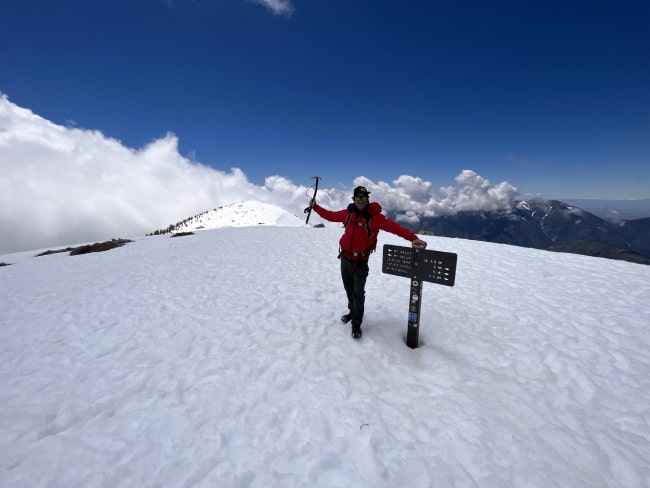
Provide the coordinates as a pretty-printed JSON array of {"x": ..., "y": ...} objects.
[
  {"x": 64, "y": 185},
  {"x": 278, "y": 7},
  {"x": 412, "y": 197},
  {"x": 476, "y": 193}
]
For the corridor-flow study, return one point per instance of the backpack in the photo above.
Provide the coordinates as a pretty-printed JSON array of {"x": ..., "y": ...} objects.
[{"x": 371, "y": 236}]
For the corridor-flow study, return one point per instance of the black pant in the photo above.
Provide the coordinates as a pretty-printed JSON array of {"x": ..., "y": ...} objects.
[{"x": 354, "y": 273}]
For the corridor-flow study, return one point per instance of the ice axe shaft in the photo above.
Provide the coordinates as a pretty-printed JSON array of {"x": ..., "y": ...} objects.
[{"x": 308, "y": 209}]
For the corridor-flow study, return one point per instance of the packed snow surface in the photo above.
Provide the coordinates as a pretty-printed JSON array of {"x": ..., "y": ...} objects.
[{"x": 218, "y": 360}]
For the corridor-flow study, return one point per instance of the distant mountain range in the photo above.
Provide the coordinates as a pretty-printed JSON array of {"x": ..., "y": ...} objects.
[
  {"x": 613, "y": 210},
  {"x": 541, "y": 224},
  {"x": 550, "y": 225}
]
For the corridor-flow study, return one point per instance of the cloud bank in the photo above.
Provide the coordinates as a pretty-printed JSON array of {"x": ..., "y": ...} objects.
[{"x": 66, "y": 185}]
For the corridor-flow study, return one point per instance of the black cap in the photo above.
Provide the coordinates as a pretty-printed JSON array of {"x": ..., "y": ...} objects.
[{"x": 360, "y": 191}]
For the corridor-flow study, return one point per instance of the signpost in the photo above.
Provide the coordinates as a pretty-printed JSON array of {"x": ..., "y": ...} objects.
[{"x": 420, "y": 265}]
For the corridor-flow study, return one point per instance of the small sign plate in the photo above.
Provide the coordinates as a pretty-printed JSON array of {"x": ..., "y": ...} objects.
[{"x": 420, "y": 264}]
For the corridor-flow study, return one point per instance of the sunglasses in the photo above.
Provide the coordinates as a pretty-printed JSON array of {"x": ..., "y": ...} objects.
[{"x": 356, "y": 199}]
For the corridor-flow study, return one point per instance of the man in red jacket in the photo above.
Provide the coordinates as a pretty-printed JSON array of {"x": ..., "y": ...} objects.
[{"x": 362, "y": 222}]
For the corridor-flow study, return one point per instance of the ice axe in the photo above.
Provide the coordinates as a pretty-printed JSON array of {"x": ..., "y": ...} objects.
[{"x": 308, "y": 209}]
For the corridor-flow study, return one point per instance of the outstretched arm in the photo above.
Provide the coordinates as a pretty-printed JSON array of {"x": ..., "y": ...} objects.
[
  {"x": 394, "y": 228},
  {"x": 328, "y": 214}
]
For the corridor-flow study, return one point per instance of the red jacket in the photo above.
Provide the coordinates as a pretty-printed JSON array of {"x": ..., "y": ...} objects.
[{"x": 355, "y": 238}]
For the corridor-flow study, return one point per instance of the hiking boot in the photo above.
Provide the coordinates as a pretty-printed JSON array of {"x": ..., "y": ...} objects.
[
  {"x": 356, "y": 331},
  {"x": 346, "y": 318}
]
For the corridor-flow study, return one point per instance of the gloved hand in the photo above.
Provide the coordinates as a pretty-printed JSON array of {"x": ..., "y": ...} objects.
[{"x": 419, "y": 243}]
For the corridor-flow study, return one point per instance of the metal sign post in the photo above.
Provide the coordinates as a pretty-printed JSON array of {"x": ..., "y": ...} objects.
[{"x": 420, "y": 265}]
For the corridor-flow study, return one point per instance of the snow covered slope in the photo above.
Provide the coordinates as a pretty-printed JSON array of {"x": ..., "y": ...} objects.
[
  {"x": 242, "y": 214},
  {"x": 218, "y": 360}
]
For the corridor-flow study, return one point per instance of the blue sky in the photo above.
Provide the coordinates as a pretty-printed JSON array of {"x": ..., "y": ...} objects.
[{"x": 552, "y": 97}]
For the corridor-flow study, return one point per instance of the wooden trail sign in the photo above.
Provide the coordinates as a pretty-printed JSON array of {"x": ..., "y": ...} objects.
[{"x": 419, "y": 265}]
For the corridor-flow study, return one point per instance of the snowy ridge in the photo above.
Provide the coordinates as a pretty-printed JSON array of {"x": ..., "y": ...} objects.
[
  {"x": 218, "y": 359},
  {"x": 242, "y": 214}
]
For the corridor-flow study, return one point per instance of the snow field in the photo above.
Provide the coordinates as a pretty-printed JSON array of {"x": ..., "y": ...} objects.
[{"x": 218, "y": 359}]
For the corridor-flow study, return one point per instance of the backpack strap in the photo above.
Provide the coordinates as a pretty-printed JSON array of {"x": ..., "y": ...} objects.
[{"x": 367, "y": 216}]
